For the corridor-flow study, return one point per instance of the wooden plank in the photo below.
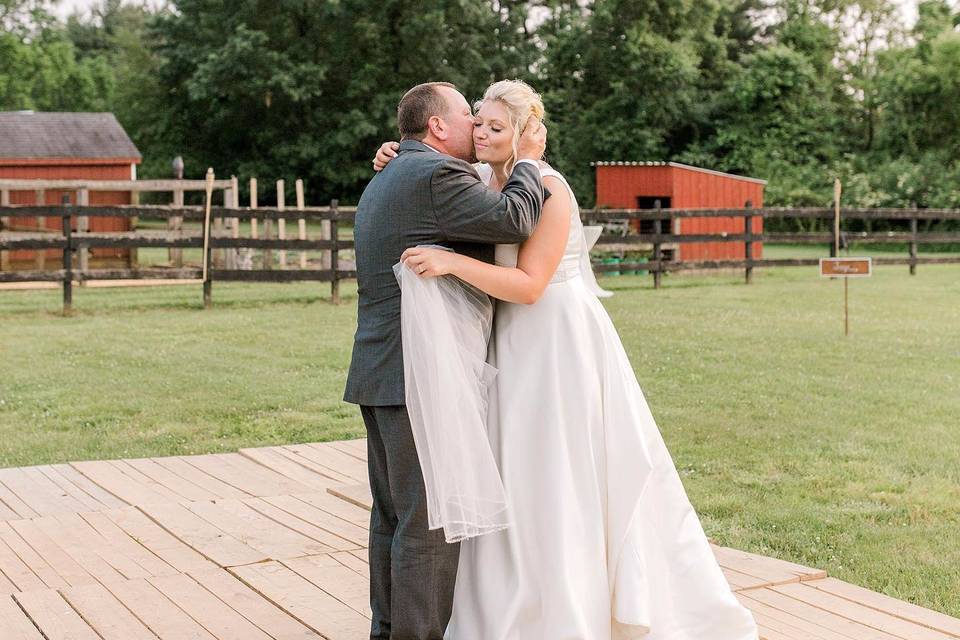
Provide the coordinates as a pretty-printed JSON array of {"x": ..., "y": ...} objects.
[
  {"x": 859, "y": 613},
  {"x": 15, "y": 623},
  {"x": 821, "y": 618},
  {"x": 270, "y": 458},
  {"x": 355, "y": 448},
  {"x": 105, "y": 613},
  {"x": 54, "y": 617},
  {"x": 66, "y": 496},
  {"x": 184, "y": 488},
  {"x": 327, "y": 456},
  {"x": 770, "y": 569},
  {"x": 899, "y": 608},
  {"x": 145, "y": 481},
  {"x": 15, "y": 504},
  {"x": 213, "y": 543},
  {"x": 739, "y": 581},
  {"x": 159, "y": 541},
  {"x": 120, "y": 485},
  {"x": 338, "y": 478},
  {"x": 339, "y": 507},
  {"x": 314, "y": 529},
  {"x": 304, "y": 601},
  {"x": 246, "y": 475},
  {"x": 151, "y": 564},
  {"x": 74, "y": 543},
  {"x": 340, "y": 581},
  {"x": 180, "y": 467},
  {"x": 773, "y": 618},
  {"x": 208, "y": 610},
  {"x": 257, "y": 531},
  {"x": 61, "y": 561},
  {"x": 308, "y": 513},
  {"x": 251, "y": 606},
  {"x": 17, "y": 571},
  {"x": 6, "y": 586},
  {"x": 91, "y": 542},
  {"x": 6, "y": 513},
  {"x": 159, "y": 614},
  {"x": 38, "y": 491},
  {"x": 31, "y": 558},
  {"x": 358, "y": 494},
  {"x": 68, "y": 483},
  {"x": 355, "y": 564}
]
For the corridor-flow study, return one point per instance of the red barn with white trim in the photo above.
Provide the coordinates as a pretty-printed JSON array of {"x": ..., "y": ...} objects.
[
  {"x": 67, "y": 146},
  {"x": 638, "y": 185}
]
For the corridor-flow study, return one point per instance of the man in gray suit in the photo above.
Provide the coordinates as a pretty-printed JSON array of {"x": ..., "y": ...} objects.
[{"x": 429, "y": 194}]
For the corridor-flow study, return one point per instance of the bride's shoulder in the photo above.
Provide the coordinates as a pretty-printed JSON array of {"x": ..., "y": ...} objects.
[{"x": 547, "y": 170}]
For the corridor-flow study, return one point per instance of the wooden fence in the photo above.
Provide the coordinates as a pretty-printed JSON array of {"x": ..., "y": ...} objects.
[
  {"x": 665, "y": 218},
  {"x": 224, "y": 237}
]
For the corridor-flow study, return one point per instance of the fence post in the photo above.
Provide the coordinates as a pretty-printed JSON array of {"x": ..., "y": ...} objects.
[
  {"x": 207, "y": 244},
  {"x": 133, "y": 258},
  {"x": 175, "y": 223},
  {"x": 301, "y": 223},
  {"x": 913, "y": 246},
  {"x": 67, "y": 258},
  {"x": 40, "y": 257},
  {"x": 748, "y": 242},
  {"x": 268, "y": 235},
  {"x": 233, "y": 256},
  {"x": 4, "y": 223},
  {"x": 282, "y": 222},
  {"x": 334, "y": 254},
  {"x": 657, "y": 253}
]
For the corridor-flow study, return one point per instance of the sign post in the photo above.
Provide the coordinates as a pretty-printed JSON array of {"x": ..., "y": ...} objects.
[{"x": 845, "y": 268}]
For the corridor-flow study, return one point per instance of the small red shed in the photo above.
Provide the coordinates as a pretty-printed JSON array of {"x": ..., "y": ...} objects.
[
  {"x": 67, "y": 146},
  {"x": 639, "y": 185}
]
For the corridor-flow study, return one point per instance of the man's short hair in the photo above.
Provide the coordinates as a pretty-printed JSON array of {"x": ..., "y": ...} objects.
[{"x": 417, "y": 106}]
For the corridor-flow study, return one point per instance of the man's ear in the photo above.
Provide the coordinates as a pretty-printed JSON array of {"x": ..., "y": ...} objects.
[{"x": 438, "y": 128}]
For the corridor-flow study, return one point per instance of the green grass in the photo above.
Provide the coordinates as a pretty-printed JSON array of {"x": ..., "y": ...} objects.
[{"x": 792, "y": 440}]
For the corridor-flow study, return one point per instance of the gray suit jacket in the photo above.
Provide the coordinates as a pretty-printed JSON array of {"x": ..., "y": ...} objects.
[{"x": 423, "y": 197}]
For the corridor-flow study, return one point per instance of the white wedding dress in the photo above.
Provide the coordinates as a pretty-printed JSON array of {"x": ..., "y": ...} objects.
[{"x": 603, "y": 543}]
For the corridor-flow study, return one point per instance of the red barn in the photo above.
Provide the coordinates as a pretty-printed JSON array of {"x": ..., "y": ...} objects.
[
  {"x": 639, "y": 185},
  {"x": 67, "y": 146}
]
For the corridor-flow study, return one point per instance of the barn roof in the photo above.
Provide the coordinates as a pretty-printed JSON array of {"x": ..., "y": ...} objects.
[
  {"x": 678, "y": 165},
  {"x": 30, "y": 135}
]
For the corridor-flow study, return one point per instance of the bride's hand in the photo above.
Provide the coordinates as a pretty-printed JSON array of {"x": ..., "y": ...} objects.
[
  {"x": 386, "y": 153},
  {"x": 429, "y": 263}
]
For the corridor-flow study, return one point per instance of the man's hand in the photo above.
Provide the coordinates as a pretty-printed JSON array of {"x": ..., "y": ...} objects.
[
  {"x": 533, "y": 140},
  {"x": 386, "y": 153}
]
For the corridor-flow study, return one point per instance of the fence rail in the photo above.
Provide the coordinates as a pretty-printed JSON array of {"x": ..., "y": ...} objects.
[
  {"x": 70, "y": 241},
  {"x": 657, "y": 240}
]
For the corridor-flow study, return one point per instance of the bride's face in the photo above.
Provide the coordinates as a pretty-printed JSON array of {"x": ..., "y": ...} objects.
[{"x": 492, "y": 133}]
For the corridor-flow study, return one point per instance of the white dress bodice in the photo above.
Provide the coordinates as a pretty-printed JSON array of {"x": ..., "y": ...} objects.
[{"x": 571, "y": 263}]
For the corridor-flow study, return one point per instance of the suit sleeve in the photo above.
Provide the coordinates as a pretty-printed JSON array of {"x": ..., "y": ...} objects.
[{"x": 468, "y": 211}]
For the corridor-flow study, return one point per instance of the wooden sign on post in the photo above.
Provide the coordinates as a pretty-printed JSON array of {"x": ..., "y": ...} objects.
[{"x": 846, "y": 268}]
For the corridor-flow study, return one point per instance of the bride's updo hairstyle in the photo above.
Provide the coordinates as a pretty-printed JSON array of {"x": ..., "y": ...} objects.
[{"x": 521, "y": 102}]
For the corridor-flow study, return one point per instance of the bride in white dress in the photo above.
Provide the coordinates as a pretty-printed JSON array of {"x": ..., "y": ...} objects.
[{"x": 602, "y": 542}]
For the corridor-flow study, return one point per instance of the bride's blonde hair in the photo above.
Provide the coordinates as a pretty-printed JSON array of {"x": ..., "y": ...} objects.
[{"x": 521, "y": 102}]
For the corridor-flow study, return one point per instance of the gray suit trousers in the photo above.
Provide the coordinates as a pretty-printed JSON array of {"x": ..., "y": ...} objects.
[{"x": 412, "y": 569}]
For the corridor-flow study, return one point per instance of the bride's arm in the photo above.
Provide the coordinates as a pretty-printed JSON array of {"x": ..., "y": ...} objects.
[{"x": 538, "y": 260}]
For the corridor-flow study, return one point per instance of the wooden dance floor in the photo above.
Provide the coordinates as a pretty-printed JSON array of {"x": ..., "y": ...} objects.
[{"x": 269, "y": 543}]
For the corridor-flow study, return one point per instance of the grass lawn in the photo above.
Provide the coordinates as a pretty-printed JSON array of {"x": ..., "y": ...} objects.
[{"x": 793, "y": 441}]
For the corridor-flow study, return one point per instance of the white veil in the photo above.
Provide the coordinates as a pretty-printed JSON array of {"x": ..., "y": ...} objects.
[{"x": 445, "y": 325}]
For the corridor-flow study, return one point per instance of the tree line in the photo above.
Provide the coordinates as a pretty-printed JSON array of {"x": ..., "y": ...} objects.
[{"x": 797, "y": 92}]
